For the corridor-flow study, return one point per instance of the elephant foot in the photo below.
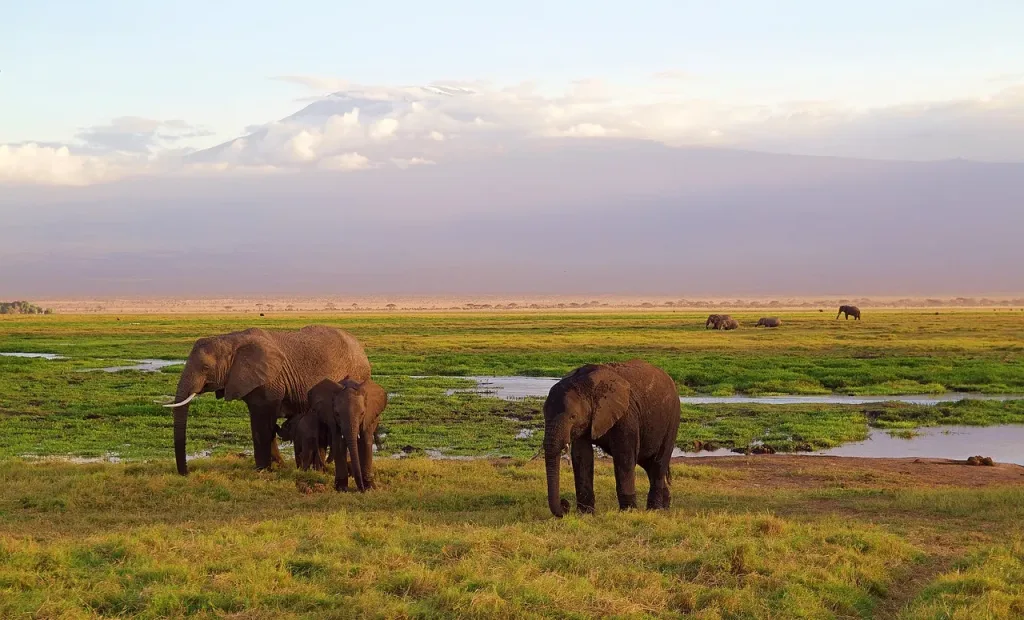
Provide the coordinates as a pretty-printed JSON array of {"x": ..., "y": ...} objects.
[
  {"x": 585, "y": 509},
  {"x": 341, "y": 487},
  {"x": 627, "y": 502}
]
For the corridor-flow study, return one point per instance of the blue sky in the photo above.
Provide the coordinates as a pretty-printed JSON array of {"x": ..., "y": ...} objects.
[{"x": 70, "y": 65}]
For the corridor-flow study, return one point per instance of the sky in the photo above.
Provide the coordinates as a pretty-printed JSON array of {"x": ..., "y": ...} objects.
[{"x": 100, "y": 101}]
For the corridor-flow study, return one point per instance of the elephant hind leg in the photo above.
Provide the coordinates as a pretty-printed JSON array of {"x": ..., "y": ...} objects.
[{"x": 658, "y": 496}]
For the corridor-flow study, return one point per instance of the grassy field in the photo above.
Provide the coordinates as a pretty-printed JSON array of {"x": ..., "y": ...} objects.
[{"x": 766, "y": 536}]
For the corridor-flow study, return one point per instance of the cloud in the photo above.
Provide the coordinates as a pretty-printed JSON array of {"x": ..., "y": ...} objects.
[
  {"x": 132, "y": 134},
  {"x": 33, "y": 163},
  {"x": 345, "y": 162},
  {"x": 449, "y": 121}
]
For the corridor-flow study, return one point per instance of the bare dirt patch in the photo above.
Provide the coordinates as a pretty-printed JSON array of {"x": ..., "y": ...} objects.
[{"x": 805, "y": 472}]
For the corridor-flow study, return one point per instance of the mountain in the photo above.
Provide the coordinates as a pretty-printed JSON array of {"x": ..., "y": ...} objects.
[{"x": 538, "y": 216}]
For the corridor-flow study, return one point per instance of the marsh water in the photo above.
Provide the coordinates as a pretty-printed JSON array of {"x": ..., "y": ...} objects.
[
  {"x": 142, "y": 366},
  {"x": 1004, "y": 443},
  {"x": 45, "y": 356},
  {"x": 510, "y": 388}
]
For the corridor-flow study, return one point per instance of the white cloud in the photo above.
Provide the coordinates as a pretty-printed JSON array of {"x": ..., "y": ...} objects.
[
  {"x": 413, "y": 161},
  {"x": 345, "y": 161},
  {"x": 32, "y": 163},
  {"x": 405, "y": 126}
]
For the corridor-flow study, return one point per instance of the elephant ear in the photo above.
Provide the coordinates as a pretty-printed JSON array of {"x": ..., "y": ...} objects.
[
  {"x": 376, "y": 401},
  {"x": 255, "y": 364},
  {"x": 321, "y": 396},
  {"x": 609, "y": 394}
]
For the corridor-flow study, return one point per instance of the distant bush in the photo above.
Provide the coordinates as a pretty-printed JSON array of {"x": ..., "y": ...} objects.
[{"x": 22, "y": 307}]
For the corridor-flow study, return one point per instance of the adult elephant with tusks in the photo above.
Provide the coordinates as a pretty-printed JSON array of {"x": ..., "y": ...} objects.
[
  {"x": 628, "y": 409},
  {"x": 271, "y": 371}
]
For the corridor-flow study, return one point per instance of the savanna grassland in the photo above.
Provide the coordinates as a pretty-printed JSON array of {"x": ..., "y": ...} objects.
[{"x": 759, "y": 536}]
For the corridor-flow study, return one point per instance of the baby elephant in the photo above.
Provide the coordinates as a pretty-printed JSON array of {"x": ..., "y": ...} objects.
[
  {"x": 350, "y": 412},
  {"x": 310, "y": 438},
  {"x": 728, "y": 323},
  {"x": 768, "y": 321}
]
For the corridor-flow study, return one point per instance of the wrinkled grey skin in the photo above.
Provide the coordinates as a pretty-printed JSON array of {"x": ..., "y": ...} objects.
[
  {"x": 310, "y": 439},
  {"x": 768, "y": 321},
  {"x": 715, "y": 320},
  {"x": 728, "y": 323},
  {"x": 350, "y": 412},
  {"x": 271, "y": 371},
  {"x": 631, "y": 411},
  {"x": 849, "y": 311}
]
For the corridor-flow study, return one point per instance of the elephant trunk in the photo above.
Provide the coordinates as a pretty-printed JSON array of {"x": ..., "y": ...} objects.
[
  {"x": 554, "y": 441},
  {"x": 552, "y": 464},
  {"x": 187, "y": 389},
  {"x": 352, "y": 437}
]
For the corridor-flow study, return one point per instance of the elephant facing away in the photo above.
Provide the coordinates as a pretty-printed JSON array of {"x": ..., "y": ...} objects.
[
  {"x": 715, "y": 320},
  {"x": 768, "y": 321},
  {"x": 628, "y": 409},
  {"x": 350, "y": 411},
  {"x": 270, "y": 371},
  {"x": 849, "y": 311}
]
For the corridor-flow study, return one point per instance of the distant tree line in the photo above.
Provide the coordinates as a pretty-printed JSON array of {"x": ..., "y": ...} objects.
[{"x": 22, "y": 307}]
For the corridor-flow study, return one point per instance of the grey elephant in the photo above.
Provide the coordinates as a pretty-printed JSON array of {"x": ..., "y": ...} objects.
[
  {"x": 715, "y": 321},
  {"x": 729, "y": 323},
  {"x": 628, "y": 409},
  {"x": 270, "y": 371},
  {"x": 768, "y": 321},
  {"x": 350, "y": 411},
  {"x": 849, "y": 311}
]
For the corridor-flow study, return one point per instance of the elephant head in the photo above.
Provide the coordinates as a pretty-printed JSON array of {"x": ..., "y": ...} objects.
[
  {"x": 231, "y": 366},
  {"x": 342, "y": 406},
  {"x": 585, "y": 404}
]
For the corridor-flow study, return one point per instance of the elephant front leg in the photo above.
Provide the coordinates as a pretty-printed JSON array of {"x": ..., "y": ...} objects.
[
  {"x": 582, "y": 452},
  {"x": 625, "y": 480},
  {"x": 263, "y": 436},
  {"x": 338, "y": 449},
  {"x": 366, "y": 459}
]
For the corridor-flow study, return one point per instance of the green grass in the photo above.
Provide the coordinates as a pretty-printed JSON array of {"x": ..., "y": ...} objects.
[
  {"x": 887, "y": 352},
  {"x": 474, "y": 539},
  {"x": 444, "y": 539}
]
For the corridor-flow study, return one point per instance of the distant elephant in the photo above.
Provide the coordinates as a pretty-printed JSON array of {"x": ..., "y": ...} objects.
[
  {"x": 310, "y": 439},
  {"x": 715, "y": 320},
  {"x": 271, "y": 371},
  {"x": 849, "y": 311},
  {"x": 729, "y": 323},
  {"x": 628, "y": 409},
  {"x": 768, "y": 321},
  {"x": 350, "y": 411}
]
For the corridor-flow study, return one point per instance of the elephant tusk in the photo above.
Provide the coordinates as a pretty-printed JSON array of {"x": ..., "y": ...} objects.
[{"x": 184, "y": 402}]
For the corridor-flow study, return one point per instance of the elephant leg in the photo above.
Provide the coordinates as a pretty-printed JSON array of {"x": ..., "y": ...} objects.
[
  {"x": 262, "y": 423},
  {"x": 658, "y": 496},
  {"x": 275, "y": 452},
  {"x": 366, "y": 459},
  {"x": 340, "y": 461},
  {"x": 625, "y": 480},
  {"x": 582, "y": 452}
]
